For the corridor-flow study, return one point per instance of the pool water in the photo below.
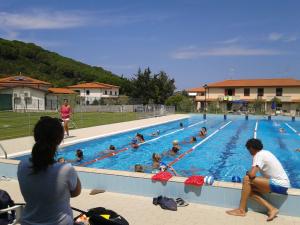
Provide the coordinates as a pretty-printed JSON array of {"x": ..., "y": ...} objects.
[{"x": 222, "y": 154}]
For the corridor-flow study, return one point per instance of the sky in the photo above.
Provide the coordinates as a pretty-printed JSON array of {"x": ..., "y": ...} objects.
[{"x": 193, "y": 41}]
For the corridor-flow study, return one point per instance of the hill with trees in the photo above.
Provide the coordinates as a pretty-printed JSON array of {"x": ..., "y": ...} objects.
[{"x": 29, "y": 59}]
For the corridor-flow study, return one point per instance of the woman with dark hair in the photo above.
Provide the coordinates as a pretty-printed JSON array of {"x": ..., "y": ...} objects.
[{"x": 45, "y": 184}]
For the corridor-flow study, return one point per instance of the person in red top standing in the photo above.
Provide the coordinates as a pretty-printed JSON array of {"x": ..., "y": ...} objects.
[{"x": 65, "y": 113}]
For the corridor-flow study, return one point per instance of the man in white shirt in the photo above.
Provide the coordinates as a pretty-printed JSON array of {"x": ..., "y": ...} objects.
[{"x": 274, "y": 180}]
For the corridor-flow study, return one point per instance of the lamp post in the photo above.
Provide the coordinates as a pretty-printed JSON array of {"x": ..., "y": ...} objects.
[{"x": 205, "y": 103}]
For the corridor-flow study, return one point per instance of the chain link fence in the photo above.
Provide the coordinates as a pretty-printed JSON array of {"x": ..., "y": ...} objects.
[{"x": 20, "y": 121}]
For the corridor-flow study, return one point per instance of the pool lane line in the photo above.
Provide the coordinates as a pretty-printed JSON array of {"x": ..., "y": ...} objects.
[
  {"x": 255, "y": 129},
  {"x": 197, "y": 145},
  {"x": 125, "y": 149},
  {"x": 173, "y": 132},
  {"x": 292, "y": 128}
]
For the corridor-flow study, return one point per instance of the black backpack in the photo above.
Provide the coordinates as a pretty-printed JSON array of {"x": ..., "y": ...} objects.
[
  {"x": 96, "y": 218},
  {"x": 6, "y": 202}
]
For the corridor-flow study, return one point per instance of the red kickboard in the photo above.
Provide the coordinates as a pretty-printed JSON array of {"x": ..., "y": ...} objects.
[
  {"x": 195, "y": 181},
  {"x": 162, "y": 176}
]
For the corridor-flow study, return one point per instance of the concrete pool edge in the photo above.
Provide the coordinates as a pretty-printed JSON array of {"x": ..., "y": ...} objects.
[{"x": 222, "y": 194}]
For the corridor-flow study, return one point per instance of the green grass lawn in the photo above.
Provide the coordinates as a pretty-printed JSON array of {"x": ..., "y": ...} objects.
[{"x": 13, "y": 124}]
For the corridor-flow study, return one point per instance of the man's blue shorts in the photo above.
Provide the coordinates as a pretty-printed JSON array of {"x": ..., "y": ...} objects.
[{"x": 277, "y": 188}]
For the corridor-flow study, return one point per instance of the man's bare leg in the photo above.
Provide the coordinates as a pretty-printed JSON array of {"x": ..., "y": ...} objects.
[
  {"x": 246, "y": 191},
  {"x": 262, "y": 185}
]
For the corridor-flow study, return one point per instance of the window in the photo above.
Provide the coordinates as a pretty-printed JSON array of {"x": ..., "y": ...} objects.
[
  {"x": 116, "y": 93},
  {"x": 246, "y": 91},
  {"x": 230, "y": 92},
  {"x": 105, "y": 92},
  {"x": 260, "y": 92},
  {"x": 87, "y": 102},
  {"x": 278, "y": 91},
  {"x": 110, "y": 92},
  {"x": 87, "y": 92}
]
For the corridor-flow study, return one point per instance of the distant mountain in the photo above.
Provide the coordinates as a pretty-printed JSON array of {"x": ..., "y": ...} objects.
[{"x": 31, "y": 60}]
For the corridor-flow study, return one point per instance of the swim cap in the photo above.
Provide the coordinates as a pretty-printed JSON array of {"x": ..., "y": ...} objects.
[
  {"x": 133, "y": 141},
  {"x": 175, "y": 142}
]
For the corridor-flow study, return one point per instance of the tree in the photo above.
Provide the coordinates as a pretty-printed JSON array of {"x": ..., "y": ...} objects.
[
  {"x": 152, "y": 88},
  {"x": 181, "y": 102}
]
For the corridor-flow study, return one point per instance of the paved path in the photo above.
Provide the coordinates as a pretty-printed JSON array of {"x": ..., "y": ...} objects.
[
  {"x": 16, "y": 145},
  {"x": 140, "y": 210}
]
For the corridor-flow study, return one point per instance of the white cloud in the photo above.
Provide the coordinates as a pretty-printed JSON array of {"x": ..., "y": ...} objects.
[
  {"x": 282, "y": 37},
  {"x": 192, "y": 53},
  {"x": 38, "y": 19},
  {"x": 291, "y": 39},
  {"x": 230, "y": 41},
  {"x": 275, "y": 36}
]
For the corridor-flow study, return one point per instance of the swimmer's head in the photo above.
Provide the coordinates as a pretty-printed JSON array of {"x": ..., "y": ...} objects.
[
  {"x": 112, "y": 147},
  {"x": 133, "y": 141},
  {"x": 156, "y": 157},
  {"x": 138, "y": 168},
  {"x": 204, "y": 129},
  {"x": 175, "y": 142}
]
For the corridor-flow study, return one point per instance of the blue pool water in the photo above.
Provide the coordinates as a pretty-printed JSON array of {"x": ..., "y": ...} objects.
[{"x": 222, "y": 154}]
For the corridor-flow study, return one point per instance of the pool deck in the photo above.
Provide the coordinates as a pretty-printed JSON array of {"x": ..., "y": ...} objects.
[
  {"x": 24, "y": 144},
  {"x": 140, "y": 210}
]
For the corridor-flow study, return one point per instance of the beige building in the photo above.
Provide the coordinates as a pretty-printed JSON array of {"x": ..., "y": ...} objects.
[
  {"x": 89, "y": 92},
  {"x": 238, "y": 95}
]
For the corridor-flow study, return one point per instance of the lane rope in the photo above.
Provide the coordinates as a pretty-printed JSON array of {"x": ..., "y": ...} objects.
[{"x": 197, "y": 145}]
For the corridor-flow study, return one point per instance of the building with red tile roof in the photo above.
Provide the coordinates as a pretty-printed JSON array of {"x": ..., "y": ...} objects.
[{"x": 233, "y": 95}]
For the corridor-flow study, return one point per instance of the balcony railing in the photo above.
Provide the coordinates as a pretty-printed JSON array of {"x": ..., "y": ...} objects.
[
  {"x": 228, "y": 98},
  {"x": 282, "y": 98}
]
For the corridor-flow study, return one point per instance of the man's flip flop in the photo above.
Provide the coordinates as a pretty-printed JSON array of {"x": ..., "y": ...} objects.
[{"x": 181, "y": 203}]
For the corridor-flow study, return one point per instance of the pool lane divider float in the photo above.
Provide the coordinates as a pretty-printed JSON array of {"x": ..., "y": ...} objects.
[
  {"x": 197, "y": 145},
  {"x": 127, "y": 148},
  {"x": 292, "y": 128},
  {"x": 255, "y": 130}
]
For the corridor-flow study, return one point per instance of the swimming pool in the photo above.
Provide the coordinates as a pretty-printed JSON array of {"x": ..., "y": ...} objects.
[{"x": 221, "y": 154}]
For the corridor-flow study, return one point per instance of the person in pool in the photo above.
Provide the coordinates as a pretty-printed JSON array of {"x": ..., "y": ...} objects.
[
  {"x": 274, "y": 179},
  {"x": 192, "y": 140},
  {"x": 111, "y": 149},
  {"x": 61, "y": 160},
  {"x": 203, "y": 132},
  {"x": 140, "y": 138},
  {"x": 281, "y": 130},
  {"x": 134, "y": 143},
  {"x": 181, "y": 125},
  {"x": 156, "y": 161},
  {"x": 139, "y": 168},
  {"x": 79, "y": 155},
  {"x": 156, "y": 133}
]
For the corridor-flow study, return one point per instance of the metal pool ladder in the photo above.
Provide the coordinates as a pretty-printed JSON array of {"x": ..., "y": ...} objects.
[{"x": 5, "y": 153}]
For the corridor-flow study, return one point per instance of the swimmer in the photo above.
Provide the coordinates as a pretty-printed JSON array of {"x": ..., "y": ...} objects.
[
  {"x": 140, "y": 138},
  {"x": 203, "y": 132},
  {"x": 297, "y": 150},
  {"x": 181, "y": 125},
  {"x": 156, "y": 161},
  {"x": 138, "y": 168},
  {"x": 192, "y": 140},
  {"x": 79, "y": 155},
  {"x": 176, "y": 144},
  {"x": 156, "y": 133},
  {"x": 281, "y": 130},
  {"x": 111, "y": 149},
  {"x": 134, "y": 143},
  {"x": 61, "y": 160}
]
